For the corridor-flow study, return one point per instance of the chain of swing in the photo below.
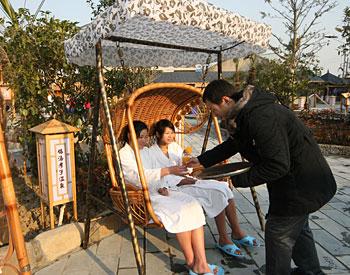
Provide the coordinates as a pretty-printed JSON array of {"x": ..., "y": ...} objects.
[
  {"x": 205, "y": 71},
  {"x": 128, "y": 85}
]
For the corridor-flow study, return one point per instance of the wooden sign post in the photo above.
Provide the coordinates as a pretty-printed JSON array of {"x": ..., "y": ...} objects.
[{"x": 56, "y": 166}]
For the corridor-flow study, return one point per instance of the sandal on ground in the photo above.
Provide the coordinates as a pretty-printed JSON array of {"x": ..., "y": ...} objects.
[
  {"x": 247, "y": 241},
  {"x": 230, "y": 249},
  {"x": 215, "y": 270}
]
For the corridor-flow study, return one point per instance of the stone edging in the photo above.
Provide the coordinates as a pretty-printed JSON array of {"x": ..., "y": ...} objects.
[{"x": 339, "y": 150}]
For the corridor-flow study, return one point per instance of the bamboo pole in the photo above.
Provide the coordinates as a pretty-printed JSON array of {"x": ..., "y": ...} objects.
[
  {"x": 92, "y": 158},
  {"x": 9, "y": 197},
  {"x": 258, "y": 208},
  {"x": 116, "y": 160}
]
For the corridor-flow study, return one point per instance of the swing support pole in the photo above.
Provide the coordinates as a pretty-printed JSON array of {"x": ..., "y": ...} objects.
[{"x": 116, "y": 158}]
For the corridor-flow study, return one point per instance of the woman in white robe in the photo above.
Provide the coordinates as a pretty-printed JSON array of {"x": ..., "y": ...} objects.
[
  {"x": 180, "y": 213},
  {"x": 215, "y": 197}
]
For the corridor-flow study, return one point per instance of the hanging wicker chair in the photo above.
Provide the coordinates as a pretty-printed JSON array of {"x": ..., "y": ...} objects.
[{"x": 149, "y": 104}]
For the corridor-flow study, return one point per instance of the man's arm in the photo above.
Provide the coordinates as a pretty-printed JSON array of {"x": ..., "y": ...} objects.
[
  {"x": 272, "y": 144},
  {"x": 219, "y": 153}
]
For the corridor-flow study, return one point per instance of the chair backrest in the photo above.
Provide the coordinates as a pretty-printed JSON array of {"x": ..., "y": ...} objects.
[
  {"x": 149, "y": 104},
  {"x": 160, "y": 101}
]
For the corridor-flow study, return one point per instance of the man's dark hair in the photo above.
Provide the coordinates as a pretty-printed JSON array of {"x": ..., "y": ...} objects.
[
  {"x": 216, "y": 89},
  {"x": 160, "y": 126},
  {"x": 138, "y": 125}
]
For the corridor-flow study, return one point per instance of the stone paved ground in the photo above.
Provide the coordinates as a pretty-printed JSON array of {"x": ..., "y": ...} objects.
[{"x": 114, "y": 255}]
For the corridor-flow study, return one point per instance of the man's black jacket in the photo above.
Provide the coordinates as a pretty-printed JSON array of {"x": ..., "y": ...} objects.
[{"x": 284, "y": 155}]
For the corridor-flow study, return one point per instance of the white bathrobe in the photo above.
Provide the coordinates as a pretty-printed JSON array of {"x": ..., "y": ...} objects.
[
  {"x": 213, "y": 195},
  {"x": 178, "y": 212}
]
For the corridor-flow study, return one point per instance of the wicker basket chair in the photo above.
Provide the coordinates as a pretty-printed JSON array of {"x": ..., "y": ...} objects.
[{"x": 149, "y": 104}]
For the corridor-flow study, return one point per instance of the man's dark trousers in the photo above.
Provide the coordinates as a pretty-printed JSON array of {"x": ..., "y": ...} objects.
[{"x": 289, "y": 238}]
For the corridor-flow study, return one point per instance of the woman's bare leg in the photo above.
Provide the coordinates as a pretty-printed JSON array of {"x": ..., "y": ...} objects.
[
  {"x": 184, "y": 239},
  {"x": 200, "y": 260},
  {"x": 230, "y": 210},
  {"x": 220, "y": 221}
]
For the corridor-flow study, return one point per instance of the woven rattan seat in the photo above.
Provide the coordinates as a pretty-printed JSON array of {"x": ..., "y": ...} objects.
[{"x": 149, "y": 104}]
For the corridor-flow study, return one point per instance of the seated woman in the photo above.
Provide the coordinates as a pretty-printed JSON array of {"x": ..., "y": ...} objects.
[
  {"x": 180, "y": 213},
  {"x": 215, "y": 197}
]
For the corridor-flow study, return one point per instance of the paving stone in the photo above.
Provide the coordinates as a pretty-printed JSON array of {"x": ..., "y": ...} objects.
[
  {"x": 248, "y": 195},
  {"x": 211, "y": 223},
  {"x": 337, "y": 230},
  {"x": 110, "y": 246},
  {"x": 158, "y": 263},
  {"x": 345, "y": 189},
  {"x": 327, "y": 207},
  {"x": 156, "y": 240},
  {"x": 253, "y": 220},
  {"x": 328, "y": 263},
  {"x": 345, "y": 260},
  {"x": 337, "y": 216},
  {"x": 243, "y": 204},
  {"x": 335, "y": 199},
  {"x": 106, "y": 260},
  {"x": 313, "y": 225},
  {"x": 209, "y": 239},
  {"x": 342, "y": 197},
  {"x": 127, "y": 258},
  {"x": 342, "y": 207},
  {"x": 104, "y": 265},
  {"x": 330, "y": 243},
  {"x": 77, "y": 272},
  {"x": 241, "y": 217},
  {"x": 128, "y": 271},
  {"x": 80, "y": 261},
  {"x": 342, "y": 173},
  {"x": 55, "y": 268},
  {"x": 341, "y": 181}
]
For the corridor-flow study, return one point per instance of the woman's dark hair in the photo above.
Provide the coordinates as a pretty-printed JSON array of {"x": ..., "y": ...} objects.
[
  {"x": 216, "y": 89},
  {"x": 138, "y": 125},
  {"x": 160, "y": 126}
]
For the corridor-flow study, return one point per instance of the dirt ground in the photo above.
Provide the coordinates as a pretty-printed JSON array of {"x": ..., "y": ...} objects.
[{"x": 28, "y": 203}]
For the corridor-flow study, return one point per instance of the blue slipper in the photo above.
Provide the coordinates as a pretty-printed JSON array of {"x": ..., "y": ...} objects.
[
  {"x": 247, "y": 241},
  {"x": 230, "y": 249},
  {"x": 215, "y": 270}
]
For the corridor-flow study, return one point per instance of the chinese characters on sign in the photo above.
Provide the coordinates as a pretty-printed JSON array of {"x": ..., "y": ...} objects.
[{"x": 61, "y": 169}]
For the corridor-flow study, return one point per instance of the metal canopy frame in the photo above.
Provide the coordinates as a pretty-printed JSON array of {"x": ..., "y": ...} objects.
[{"x": 115, "y": 153}]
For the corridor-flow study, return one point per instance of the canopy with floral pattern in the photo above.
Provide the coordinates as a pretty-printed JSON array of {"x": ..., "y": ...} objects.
[{"x": 186, "y": 23}]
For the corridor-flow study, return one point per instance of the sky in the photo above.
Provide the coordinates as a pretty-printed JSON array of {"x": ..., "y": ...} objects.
[{"x": 80, "y": 11}]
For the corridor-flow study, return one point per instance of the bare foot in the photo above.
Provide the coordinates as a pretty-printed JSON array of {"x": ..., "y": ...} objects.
[{"x": 201, "y": 268}]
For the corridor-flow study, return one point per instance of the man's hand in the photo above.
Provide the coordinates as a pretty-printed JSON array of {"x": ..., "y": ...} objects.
[
  {"x": 163, "y": 191},
  {"x": 186, "y": 181},
  {"x": 193, "y": 163}
]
